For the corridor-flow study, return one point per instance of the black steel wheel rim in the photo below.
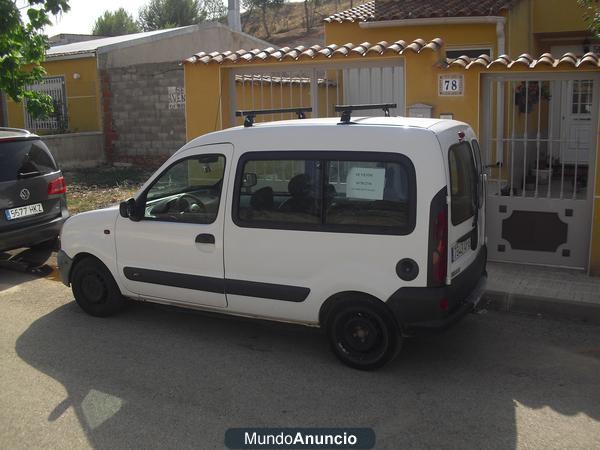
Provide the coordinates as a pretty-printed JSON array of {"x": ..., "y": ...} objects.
[
  {"x": 94, "y": 288},
  {"x": 361, "y": 336}
]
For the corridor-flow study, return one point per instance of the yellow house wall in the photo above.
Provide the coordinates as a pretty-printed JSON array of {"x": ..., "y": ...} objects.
[
  {"x": 202, "y": 99},
  {"x": 551, "y": 16},
  {"x": 83, "y": 106},
  {"x": 519, "y": 39},
  {"x": 15, "y": 117},
  {"x": 422, "y": 87}
]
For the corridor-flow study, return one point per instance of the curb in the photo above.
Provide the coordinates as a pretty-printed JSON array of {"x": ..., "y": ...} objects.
[{"x": 542, "y": 306}]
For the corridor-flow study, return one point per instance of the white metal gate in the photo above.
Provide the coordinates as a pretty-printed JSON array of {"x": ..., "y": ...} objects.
[
  {"x": 319, "y": 87},
  {"x": 55, "y": 88},
  {"x": 538, "y": 136}
]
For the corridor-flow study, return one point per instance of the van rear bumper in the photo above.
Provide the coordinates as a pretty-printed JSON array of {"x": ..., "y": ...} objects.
[{"x": 421, "y": 309}]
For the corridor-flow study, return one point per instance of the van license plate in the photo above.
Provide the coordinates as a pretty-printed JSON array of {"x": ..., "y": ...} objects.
[
  {"x": 24, "y": 211},
  {"x": 460, "y": 248}
]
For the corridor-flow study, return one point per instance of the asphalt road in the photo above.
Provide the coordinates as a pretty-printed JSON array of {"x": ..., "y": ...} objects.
[{"x": 154, "y": 377}]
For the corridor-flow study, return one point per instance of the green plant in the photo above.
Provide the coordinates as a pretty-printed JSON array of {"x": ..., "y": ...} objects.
[
  {"x": 22, "y": 50},
  {"x": 591, "y": 14},
  {"x": 161, "y": 14},
  {"x": 115, "y": 23},
  {"x": 527, "y": 95}
]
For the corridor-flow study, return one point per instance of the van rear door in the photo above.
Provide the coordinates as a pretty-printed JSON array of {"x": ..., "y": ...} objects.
[{"x": 464, "y": 239}]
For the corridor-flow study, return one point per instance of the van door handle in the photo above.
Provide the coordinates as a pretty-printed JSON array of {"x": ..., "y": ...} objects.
[{"x": 205, "y": 238}]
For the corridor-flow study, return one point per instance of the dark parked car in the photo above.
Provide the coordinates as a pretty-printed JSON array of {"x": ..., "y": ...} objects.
[{"x": 33, "y": 204}]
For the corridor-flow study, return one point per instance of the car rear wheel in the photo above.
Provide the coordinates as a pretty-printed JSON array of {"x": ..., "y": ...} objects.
[
  {"x": 95, "y": 289},
  {"x": 362, "y": 334}
]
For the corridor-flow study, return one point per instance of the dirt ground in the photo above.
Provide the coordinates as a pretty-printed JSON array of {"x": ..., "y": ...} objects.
[{"x": 89, "y": 189}]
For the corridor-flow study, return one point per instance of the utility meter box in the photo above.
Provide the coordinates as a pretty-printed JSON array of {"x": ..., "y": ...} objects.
[{"x": 420, "y": 110}]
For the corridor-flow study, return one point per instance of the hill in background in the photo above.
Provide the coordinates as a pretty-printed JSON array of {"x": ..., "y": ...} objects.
[{"x": 286, "y": 26}]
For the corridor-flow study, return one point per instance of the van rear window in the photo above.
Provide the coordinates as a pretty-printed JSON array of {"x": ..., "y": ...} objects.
[
  {"x": 463, "y": 188},
  {"x": 367, "y": 194}
]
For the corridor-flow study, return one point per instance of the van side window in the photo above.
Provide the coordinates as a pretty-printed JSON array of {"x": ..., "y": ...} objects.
[
  {"x": 345, "y": 192},
  {"x": 367, "y": 194},
  {"x": 463, "y": 182},
  {"x": 188, "y": 191},
  {"x": 281, "y": 191}
]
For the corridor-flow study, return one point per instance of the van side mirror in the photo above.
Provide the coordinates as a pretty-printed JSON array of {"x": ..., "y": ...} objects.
[
  {"x": 128, "y": 209},
  {"x": 249, "y": 180}
]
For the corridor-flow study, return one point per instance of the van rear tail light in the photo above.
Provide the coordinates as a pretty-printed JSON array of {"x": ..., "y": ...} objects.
[
  {"x": 439, "y": 257},
  {"x": 438, "y": 240},
  {"x": 57, "y": 186}
]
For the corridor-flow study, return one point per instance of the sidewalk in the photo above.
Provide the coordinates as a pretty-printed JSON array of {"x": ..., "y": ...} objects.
[{"x": 551, "y": 292}]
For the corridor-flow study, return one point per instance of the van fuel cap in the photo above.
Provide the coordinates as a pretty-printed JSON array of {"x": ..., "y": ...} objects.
[{"x": 407, "y": 269}]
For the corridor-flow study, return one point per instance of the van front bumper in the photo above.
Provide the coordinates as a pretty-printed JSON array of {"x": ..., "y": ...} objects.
[
  {"x": 64, "y": 267},
  {"x": 420, "y": 310}
]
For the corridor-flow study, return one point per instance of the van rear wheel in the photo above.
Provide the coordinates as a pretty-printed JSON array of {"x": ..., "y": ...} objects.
[
  {"x": 362, "y": 334},
  {"x": 95, "y": 289}
]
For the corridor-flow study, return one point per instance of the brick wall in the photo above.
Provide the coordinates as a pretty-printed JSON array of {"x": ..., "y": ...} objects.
[
  {"x": 107, "y": 123},
  {"x": 143, "y": 124}
]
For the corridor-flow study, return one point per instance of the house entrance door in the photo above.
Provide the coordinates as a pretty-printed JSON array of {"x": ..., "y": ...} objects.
[{"x": 541, "y": 157}]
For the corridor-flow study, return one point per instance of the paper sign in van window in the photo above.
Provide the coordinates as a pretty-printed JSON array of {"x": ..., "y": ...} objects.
[{"x": 365, "y": 183}]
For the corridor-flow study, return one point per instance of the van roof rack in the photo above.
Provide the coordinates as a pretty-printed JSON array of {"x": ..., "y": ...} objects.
[
  {"x": 346, "y": 110},
  {"x": 250, "y": 114}
]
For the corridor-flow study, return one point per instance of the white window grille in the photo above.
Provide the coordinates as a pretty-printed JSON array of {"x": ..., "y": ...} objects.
[{"x": 55, "y": 88}]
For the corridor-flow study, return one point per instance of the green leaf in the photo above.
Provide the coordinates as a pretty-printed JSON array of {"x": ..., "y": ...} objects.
[{"x": 22, "y": 50}]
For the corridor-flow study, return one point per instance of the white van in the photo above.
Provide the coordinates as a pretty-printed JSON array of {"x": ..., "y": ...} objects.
[{"x": 371, "y": 228}]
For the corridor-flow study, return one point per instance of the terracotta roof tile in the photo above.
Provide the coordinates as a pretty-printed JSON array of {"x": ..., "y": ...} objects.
[
  {"x": 526, "y": 61},
  {"x": 315, "y": 52},
  {"x": 378, "y": 10},
  {"x": 268, "y": 80}
]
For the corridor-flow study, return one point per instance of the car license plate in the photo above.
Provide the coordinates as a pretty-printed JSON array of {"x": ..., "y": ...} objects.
[
  {"x": 24, "y": 211},
  {"x": 460, "y": 248}
]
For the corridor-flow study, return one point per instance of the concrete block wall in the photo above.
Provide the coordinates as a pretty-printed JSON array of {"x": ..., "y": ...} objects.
[
  {"x": 77, "y": 150},
  {"x": 145, "y": 123}
]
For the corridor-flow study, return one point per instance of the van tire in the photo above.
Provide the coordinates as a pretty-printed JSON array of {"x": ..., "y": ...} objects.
[
  {"x": 362, "y": 334},
  {"x": 95, "y": 289}
]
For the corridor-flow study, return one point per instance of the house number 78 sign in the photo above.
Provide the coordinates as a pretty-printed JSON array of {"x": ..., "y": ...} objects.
[{"x": 451, "y": 85}]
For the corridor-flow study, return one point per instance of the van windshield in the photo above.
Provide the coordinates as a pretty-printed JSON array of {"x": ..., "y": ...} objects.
[{"x": 463, "y": 188}]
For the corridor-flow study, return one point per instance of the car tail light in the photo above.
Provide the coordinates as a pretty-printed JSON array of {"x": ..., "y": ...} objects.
[
  {"x": 438, "y": 240},
  {"x": 57, "y": 186}
]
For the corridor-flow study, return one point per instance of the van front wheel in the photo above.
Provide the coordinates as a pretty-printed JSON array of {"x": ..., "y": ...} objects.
[
  {"x": 95, "y": 289},
  {"x": 362, "y": 334}
]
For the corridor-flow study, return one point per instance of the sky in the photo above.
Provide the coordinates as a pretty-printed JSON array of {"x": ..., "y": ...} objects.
[{"x": 83, "y": 14}]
